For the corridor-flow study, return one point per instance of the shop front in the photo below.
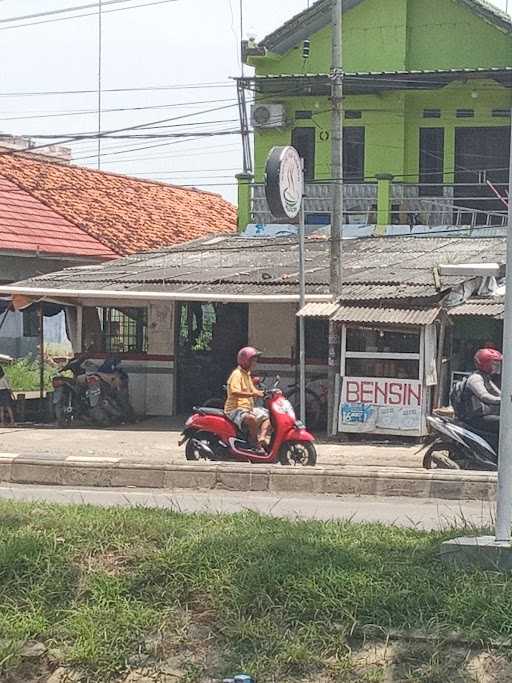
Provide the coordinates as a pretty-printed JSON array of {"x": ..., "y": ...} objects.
[{"x": 388, "y": 369}]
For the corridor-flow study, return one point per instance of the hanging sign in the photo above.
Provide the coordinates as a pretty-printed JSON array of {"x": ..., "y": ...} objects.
[{"x": 284, "y": 182}]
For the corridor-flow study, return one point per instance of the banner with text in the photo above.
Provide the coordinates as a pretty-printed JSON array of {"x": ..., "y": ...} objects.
[{"x": 377, "y": 404}]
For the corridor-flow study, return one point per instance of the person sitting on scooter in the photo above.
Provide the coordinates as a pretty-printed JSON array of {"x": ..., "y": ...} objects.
[
  {"x": 241, "y": 394},
  {"x": 483, "y": 396}
]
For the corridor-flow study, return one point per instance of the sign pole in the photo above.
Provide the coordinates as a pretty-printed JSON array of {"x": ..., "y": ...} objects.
[
  {"x": 302, "y": 320},
  {"x": 504, "y": 491},
  {"x": 284, "y": 190}
]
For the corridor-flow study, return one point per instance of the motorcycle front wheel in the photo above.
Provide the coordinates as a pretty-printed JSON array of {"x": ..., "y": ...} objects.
[
  {"x": 298, "y": 453},
  {"x": 438, "y": 457}
]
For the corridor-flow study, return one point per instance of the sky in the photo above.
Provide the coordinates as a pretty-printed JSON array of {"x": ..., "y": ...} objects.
[{"x": 180, "y": 53}]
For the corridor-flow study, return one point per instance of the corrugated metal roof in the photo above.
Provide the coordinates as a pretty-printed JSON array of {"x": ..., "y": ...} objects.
[
  {"x": 315, "y": 310},
  {"x": 486, "y": 308},
  {"x": 374, "y": 269},
  {"x": 395, "y": 316}
]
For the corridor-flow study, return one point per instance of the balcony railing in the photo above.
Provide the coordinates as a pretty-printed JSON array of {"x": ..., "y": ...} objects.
[{"x": 409, "y": 205}]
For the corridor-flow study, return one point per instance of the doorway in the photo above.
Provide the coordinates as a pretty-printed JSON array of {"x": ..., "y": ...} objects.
[
  {"x": 481, "y": 156},
  {"x": 208, "y": 339}
]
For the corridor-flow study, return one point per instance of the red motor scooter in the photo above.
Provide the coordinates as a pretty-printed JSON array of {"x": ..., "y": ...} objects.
[{"x": 211, "y": 435}]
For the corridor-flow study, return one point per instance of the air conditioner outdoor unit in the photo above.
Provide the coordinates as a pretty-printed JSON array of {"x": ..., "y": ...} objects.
[{"x": 268, "y": 116}]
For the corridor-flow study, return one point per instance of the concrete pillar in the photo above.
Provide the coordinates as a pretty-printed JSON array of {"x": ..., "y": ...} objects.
[
  {"x": 244, "y": 200},
  {"x": 383, "y": 202}
]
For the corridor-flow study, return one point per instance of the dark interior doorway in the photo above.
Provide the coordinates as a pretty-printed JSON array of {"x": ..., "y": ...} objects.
[
  {"x": 208, "y": 339},
  {"x": 481, "y": 155}
]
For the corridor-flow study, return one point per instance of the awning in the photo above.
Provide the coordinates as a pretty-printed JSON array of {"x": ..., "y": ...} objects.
[
  {"x": 366, "y": 314},
  {"x": 386, "y": 316},
  {"x": 482, "y": 309},
  {"x": 318, "y": 310}
]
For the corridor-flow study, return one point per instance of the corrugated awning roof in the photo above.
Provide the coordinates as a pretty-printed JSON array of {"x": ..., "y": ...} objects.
[
  {"x": 365, "y": 314},
  {"x": 318, "y": 310},
  {"x": 391, "y": 316},
  {"x": 485, "y": 308}
]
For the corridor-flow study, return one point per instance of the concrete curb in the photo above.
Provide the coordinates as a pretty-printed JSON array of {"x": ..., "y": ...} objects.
[{"x": 343, "y": 480}]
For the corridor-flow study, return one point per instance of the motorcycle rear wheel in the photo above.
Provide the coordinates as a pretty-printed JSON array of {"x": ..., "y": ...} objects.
[
  {"x": 298, "y": 453},
  {"x": 192, "y": 453},
  {"x": 438, "y": 457}
]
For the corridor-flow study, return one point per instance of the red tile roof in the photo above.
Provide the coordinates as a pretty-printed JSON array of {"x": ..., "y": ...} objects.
[
  {"x": 125, "y": 214},
  {"x": 28, "y": 225}
]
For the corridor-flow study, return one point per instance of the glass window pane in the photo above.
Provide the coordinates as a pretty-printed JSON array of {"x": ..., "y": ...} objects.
[
  {"x": 380, "y": 340},
  {"x": 372, "y": 367}
]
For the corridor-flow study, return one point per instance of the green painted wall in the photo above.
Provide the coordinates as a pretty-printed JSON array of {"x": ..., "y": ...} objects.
[
  {"x": 386, "y": 35},
  {"x": 442, "y": 34}
]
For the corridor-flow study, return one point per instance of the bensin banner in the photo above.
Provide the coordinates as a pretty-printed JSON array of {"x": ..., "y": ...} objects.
[{"x": 369, "y": 404}]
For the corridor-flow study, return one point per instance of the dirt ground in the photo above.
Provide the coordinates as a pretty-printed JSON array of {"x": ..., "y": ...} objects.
[{"x": 156, "y": 441}]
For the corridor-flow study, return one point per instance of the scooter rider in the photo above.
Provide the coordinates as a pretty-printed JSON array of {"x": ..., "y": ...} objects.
[
  {"x": 483, "y": 397},
  {"x": 241, "y": 394}
]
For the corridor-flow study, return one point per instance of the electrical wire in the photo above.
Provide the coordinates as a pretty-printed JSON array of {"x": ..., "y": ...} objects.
[
  {"x": 90, "y": 14},
  {"x": 84, "y": 112},
  {"x": 146, "y": 88},
  {"x": 76, "y": 8}
]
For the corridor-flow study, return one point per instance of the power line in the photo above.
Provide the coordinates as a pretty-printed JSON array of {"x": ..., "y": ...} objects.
[
  {"x": 48, "y": 13},
  {"x": 146, "y": 88},
  {"x": 84, "y": 112},
  {"x": 90, "y": 14}
]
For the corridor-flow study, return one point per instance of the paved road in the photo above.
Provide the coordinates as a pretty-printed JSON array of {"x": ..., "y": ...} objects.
[
  {"x": 156, "y": 441},
  {"x": 406, "y": 512}
]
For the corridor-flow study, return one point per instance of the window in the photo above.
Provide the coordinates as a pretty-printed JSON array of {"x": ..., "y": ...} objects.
[
  {"x": 115, "y": 330},
  {"x": 382, "y": 352},
  {"x": 465, "y": 113},
  {"x": 303, "y": 139},
  {"x": 431, "y": 162},
  {"x": 431, "y": 113},
  {"x": 353, "y": 154},
  {"x": 374, "y": 367},
  {"x": 501, "y": 113},
  {"x": 381, "y": 340},
  {"x": 31, "y": 322},
  {"x": 303, "y": 115}
]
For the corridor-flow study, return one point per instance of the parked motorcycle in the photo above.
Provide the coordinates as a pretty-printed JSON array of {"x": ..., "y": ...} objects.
[
  {"x": 90, "y": 395},
  {"x": 455, "y": 445},
  {"x": 77, "y": 398},
  {"x": 209, "y": 434},
  {"x": 113, "y": 374}
]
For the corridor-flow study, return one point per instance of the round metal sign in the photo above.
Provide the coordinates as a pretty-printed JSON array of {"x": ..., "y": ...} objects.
[{"x": 284, "y": 182}]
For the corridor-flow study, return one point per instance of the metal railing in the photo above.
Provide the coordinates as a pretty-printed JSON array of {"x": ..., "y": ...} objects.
[{"x": 408, "y": 205}]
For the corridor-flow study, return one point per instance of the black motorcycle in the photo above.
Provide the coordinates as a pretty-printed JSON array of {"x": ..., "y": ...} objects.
[
  {"x": 454, "y": 445},
  {"x": 82, "y": 397}
]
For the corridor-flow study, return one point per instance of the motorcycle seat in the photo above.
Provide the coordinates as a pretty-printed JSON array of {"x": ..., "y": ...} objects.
[{"x": 217, "y": 412}]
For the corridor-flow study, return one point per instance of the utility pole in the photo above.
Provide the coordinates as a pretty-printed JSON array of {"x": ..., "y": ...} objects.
[
  {"x": 336, "y": 147},
  {"x": 337, "y": 194},
  {"x": 504, "y": 492},
  {"x": 100, "y": 58}
]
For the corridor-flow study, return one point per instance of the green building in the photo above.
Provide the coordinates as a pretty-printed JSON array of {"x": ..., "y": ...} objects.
[{"x": 427, "y": 102}]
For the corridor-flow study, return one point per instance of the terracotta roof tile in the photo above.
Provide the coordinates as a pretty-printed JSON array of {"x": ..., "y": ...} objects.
[
  {"x": 125, "y": 214},
  {"x": 26, "y": 224}
]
